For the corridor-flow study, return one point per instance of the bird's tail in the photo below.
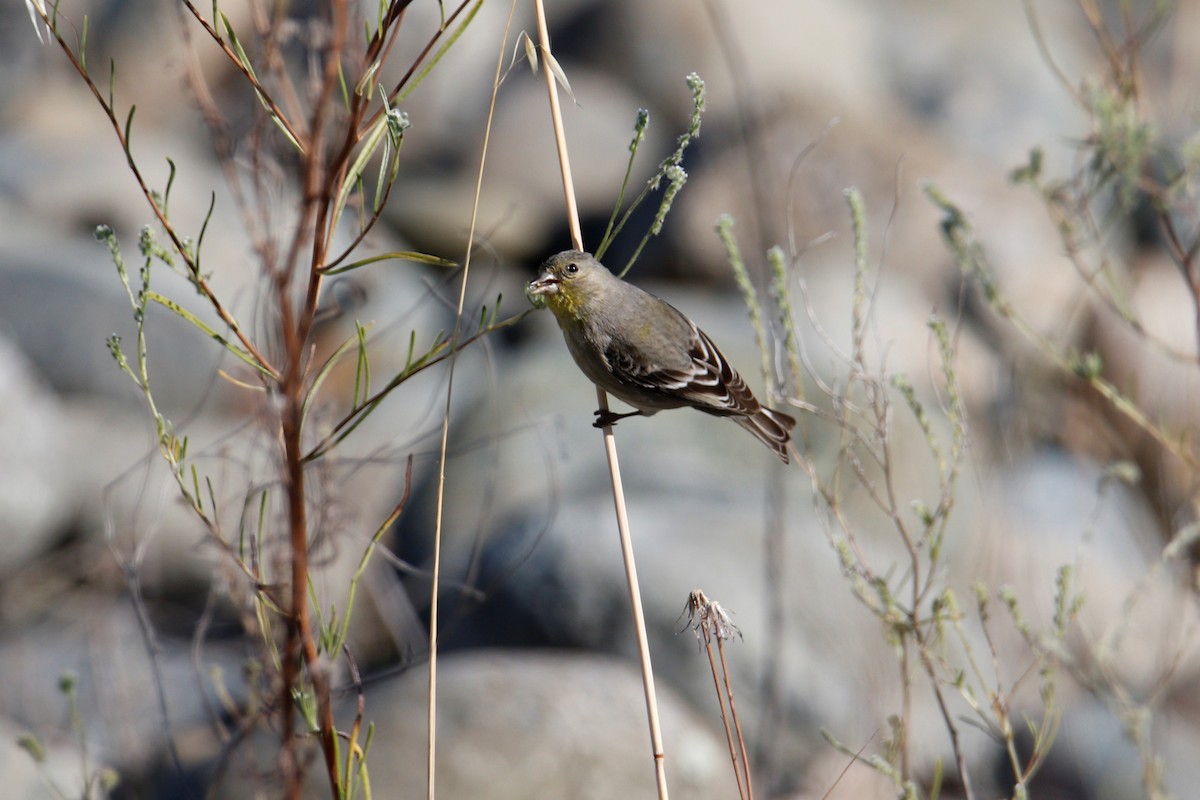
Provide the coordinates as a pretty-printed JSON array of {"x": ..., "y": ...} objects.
[{"x": 772, "y": 428}]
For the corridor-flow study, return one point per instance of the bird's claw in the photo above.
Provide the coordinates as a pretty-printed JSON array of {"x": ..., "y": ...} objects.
[
  {"x": 608, "y": 419},
  {"x": 605, "y": 419}
]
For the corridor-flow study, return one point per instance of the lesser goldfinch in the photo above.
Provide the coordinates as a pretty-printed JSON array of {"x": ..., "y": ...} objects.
[{"x": 644, "y": 351}]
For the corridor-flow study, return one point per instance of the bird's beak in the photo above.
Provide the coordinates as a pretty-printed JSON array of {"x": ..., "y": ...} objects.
[{"x": 544, "y": 284}]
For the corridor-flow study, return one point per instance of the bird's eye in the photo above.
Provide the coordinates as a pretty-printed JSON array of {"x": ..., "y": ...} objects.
[{"x": 572, "y": 268}]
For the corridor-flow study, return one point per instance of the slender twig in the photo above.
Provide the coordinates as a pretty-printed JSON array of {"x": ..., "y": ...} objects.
[
  {"x": 610, "y": 443},
  {"x": 454, "y": 348},
  {"x": 737, "y": 726},
  {"x": 712, "y": 664}
]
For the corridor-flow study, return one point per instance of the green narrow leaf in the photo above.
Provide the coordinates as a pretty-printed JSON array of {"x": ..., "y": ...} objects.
[
  {"x": 398, "y": 255},
  {"x": 212, "y": 494},
  {"x": 166, "y": 197},
  {"x": 362, "y": 370},
  {"x": 345, "y": 90},
  {"x": 496, "y": 309},
  {"x": 262, "y": 519},
  {"x": 412, "y": 346},
  {"x": 236, "y": 45},
  {"x": 389, "y": 165},
  {"x": 212, "y": 204},
  {"x": 384, "y": 171},
  {"x": 196, "y": 489},
  {"x": 129, "y": 128},
  {"x": 83, "y": 40},
  {"x": 440, "y": 342},
  {"x": 366, "y": 83}
]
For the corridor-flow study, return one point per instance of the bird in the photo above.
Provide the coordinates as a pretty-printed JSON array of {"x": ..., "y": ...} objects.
[{"x": 645, "y": 352}]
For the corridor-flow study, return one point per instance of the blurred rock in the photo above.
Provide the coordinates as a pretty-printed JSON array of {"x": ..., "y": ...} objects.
[
  {"x": 37, "y": 496},
  {"x": 519, "y": 725},
  {"x": 784, "y": 53},
  {"x": 61, "y": 306},
  {"x": 977, "y": 77},
  {"x": 99, "y": 642}
]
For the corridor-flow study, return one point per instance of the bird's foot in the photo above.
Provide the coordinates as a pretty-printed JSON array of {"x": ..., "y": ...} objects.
[{"x": 606, "y": 419}]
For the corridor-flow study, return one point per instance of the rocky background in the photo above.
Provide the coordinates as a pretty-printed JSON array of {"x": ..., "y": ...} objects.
[{"x": 104, "y": 576}]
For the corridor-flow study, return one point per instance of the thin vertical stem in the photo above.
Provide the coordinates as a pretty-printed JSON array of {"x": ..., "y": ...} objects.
[
  {"x": 737, "y": 725},
  {"x": 712, "y": 663},
  {"x": 295, "y": 326},
  {"x": 635, "y": 600},
  {"x": 441, "y": 486},
  {"x": 610, "y": 444},
  {"x": 560, "y": 137}
]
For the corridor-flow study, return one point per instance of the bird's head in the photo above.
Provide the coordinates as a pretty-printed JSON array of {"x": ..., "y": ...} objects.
[{"x": 566, "y": 282}]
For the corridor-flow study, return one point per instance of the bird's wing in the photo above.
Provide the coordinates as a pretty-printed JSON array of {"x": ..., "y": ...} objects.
[
  {"x": 716, "y": 386},
  {"x": 705, "y": 380}
]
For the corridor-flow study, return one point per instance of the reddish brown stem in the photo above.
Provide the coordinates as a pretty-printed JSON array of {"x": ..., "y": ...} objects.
[{"x": 317, "y": 191}]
